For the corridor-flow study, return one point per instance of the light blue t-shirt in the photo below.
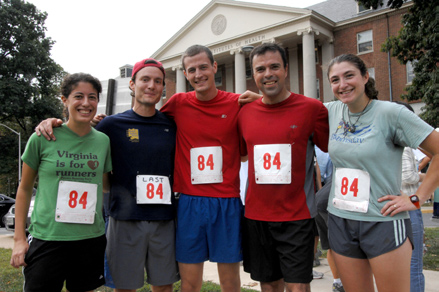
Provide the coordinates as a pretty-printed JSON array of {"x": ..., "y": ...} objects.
[
  {"x": 381, "y": 133},
  {"x": 325, "y": 165}
]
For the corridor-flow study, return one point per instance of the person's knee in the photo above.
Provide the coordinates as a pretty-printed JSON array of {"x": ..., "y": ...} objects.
[
  {"x": 190, "y": 286},
  {"x": 274, "y": 286},
  {"x": 164, "y": 288}
]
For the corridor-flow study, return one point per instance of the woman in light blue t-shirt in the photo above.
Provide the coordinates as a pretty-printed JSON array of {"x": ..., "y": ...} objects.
[{"x": 368, "y": 222}]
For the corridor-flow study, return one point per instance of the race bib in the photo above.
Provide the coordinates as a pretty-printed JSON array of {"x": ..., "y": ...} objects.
[
  {"x": 207, "y": 165},
  {"x": 272, "y": 163},
  {"x": 352, "y": 190},
  {"x": 76, "y": 202},
  {"x": 153, "y": 189}
]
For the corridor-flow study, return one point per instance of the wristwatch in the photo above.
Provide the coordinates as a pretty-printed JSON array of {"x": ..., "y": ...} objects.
[{"x": 415, "y": 200}]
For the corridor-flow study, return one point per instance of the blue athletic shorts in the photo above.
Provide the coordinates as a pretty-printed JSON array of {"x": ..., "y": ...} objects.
[{"x": 208, "y": 229}]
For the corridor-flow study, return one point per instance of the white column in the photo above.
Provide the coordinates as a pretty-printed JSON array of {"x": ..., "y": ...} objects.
[
  {"x": 240, "y": 80},
  {"x": 181, "y": 79},
  {"x": 293, "y": 69},
  {"x": 309, "y": 64},
  {"x": 327, "y": 56}
]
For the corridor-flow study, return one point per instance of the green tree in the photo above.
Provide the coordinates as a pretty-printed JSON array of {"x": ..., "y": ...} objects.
[
  {"x": 418, "y": 42},
  {"x": 29, "y": 78}
]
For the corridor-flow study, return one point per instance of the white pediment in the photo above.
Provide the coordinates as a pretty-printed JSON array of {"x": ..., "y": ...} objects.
[{"x": 223, "y": 21}]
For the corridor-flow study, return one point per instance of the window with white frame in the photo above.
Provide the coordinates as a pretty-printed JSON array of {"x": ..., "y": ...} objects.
[
  {"x": 316, "y": 53},
  {"x": 371, "y": 72},
  {"x": 248, "y": 69},
  {"x": 410, "y": 72},
  {"x": 219, "y": 77},
  {"x": 125, "y": 72},
  {"x": 362, "y": 8},
  {"x": 318, "y": 88},
  {"x": 164, "y": 92},
  {"x": 364, "y": 41}
]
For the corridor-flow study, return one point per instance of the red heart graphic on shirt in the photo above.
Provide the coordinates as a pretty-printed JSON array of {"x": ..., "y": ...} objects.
[{"x": 93, "y": 164}]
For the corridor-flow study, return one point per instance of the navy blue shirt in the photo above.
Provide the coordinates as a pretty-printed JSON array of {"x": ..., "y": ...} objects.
[{"x": 139, "y": 146}]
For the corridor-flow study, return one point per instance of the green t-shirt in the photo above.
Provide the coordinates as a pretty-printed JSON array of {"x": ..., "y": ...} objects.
[
  {"x": 70, "y": 158},
  {"x": 376, "y": 146}
]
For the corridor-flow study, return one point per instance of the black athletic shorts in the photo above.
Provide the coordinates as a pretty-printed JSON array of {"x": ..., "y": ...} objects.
[
  {"x": 276, "y": 250},
  {"x": 80, "y": 264}
]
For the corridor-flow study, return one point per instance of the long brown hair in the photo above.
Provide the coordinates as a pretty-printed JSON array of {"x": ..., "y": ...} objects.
[{"x": 369, "y": 88}]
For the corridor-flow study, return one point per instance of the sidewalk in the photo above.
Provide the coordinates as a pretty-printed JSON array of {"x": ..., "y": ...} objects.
[
  {"x": 320, "y": 285},
  {"x": 427, "y": 209}
]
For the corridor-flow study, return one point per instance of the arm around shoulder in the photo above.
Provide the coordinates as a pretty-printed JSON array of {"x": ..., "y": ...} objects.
[{"x": 46, "y": 128}]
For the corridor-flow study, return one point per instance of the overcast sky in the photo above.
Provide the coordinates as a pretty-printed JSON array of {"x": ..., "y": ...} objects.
[{"x": 98, "y": 37}]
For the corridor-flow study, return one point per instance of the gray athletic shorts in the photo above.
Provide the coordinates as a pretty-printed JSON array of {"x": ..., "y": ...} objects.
[
  {"x": 366, "y": 240},
  {"x": 133, "y": 246}
]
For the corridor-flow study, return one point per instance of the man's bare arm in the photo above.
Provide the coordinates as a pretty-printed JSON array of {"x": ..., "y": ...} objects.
[
  {"x": 46, "y": 128},
  {"x": 248, "y": 96}
]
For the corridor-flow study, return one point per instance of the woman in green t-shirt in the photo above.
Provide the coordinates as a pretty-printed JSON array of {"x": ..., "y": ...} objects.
[{"x": 67, "y": 235}]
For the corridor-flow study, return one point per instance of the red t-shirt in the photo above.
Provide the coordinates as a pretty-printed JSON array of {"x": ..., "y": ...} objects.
[
  {"x": 296, "y": 123},
  {"x": 206, "y": 124}
]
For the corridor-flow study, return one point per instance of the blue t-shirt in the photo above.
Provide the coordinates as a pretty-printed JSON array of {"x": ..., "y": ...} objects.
[
  {"x": 381, "y": 133},
  {"x": 139, "y": 146},
  {"x": 325, "y": 165}
]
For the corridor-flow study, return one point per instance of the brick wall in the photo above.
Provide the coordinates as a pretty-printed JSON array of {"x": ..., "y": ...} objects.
[{"x": 345, "y": 41}]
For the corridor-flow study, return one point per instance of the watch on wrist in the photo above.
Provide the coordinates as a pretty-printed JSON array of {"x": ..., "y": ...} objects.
[{"x": 415, "y": 200}]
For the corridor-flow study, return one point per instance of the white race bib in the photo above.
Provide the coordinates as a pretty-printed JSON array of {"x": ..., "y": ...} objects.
[
  {"x": 352, "y": 190},
  {"x": 76, "y": 202},
  {"x": 153, "y": 189},
  {"x": 272, "y": 163},
  {"x": 207, "y": 165}
]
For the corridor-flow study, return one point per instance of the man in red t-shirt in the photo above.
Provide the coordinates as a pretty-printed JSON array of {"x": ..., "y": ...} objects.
[
  {"x": 279, "y": 132},
  {"x": 207, "y": 163}
]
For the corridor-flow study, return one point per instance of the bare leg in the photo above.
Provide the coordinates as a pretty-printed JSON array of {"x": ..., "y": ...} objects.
[
  {"x": 276, "y": 286},
  {"x": 164, "y": 288},
  {"x": 229, "y": 277},
  {"x": 356, "y": 274},
  {"x": 392, "y": 269},
  {"x": 298, "y": 287},
  {"x": 332, "y": 265},
  {"x": 191, "y": 277}
]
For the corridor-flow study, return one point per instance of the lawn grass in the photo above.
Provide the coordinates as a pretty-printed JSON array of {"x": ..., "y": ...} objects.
[{"x": 431, "y": 257}]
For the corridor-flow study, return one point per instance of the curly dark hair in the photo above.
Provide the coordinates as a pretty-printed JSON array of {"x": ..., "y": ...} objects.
[
  {"x": 369, "y": 88},
  {"x": 71, "y": 80}
]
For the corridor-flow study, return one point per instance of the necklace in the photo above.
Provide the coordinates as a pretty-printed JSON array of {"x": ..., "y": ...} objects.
[{"x": 350, "y": 127}]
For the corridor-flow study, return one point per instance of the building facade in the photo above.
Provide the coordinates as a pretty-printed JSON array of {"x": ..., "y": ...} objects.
[{"x": 311, "y": 36}]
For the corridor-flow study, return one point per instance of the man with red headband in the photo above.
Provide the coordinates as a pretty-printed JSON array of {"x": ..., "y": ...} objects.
[{"x": 141, "y": 230}]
